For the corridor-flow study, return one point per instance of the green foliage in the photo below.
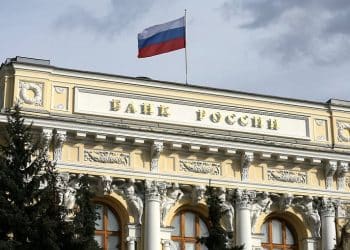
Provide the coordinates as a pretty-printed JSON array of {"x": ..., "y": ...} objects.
[
  {"x": 30, "y": 214},
  {"x": 217, "y": 239},
  {"x": 84, "y": 221}
]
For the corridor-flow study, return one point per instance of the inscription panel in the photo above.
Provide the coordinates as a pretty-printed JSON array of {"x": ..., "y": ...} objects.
[{"x": 206, "y": 115}]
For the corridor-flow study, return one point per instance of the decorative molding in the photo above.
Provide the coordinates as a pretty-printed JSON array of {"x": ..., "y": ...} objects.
[
  {"x": 283, "y": 201},
  {"x": 67, "y": 186},
  {"x": 59, "y": 138},
  {"x": 246, "y": 160},
  {"x": 342, "y": 169},
  {"x": 330, "y": 168},
  {"x": 244, "y": 199},
  {"x": 327, "y": 208},
  {"x": 320, "y": 122},
  {"x": 200, "y": 167},
  {"x": 287, "y": 176},
  {"x": 198, "y": 193},
  {"x": 157, "y": 148},
  {"x": 36, "y": 88},
  {"x": 226, "y": 209},
  {"x": 130, "y": 191},
  {"x": 111, "y": 157},
  {"x": 152, "y": 190},
  {"x": 169, "y": 196},
  {"x": 308, "y": 206},
  {"x": 59, "y": 90},
  {"x": 343, "y": 131},
  {"x": 106, "y": 182},
  {"x": 59, "y": 106},
  {"x": 47, "y": 136},
  {"x": 261, "y": 204}
]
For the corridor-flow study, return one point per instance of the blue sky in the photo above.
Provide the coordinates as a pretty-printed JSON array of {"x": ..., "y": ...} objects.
[{"x": 297, "y": 49}]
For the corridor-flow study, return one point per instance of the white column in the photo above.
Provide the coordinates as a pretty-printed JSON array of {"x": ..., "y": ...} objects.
[
  {"x": 328, "y": 225},
  {"x": 131, "y": 243},
  {"x": 152, "y": 217},
  {"x": 166, "y": 245},
  {"x": 310, "y": 244},
  {"x": 134, "y": 234},
  {"x": 243, "y": 223}
]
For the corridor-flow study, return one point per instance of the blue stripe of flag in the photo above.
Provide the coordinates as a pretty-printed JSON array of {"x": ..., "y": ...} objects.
[{"x": 162, "y": 37}]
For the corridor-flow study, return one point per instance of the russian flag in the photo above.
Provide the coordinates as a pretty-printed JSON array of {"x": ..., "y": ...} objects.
[{"x": 162, "y": 38}]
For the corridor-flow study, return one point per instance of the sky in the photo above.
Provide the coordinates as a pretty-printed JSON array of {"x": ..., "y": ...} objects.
[{"x": 289, "y": 48}]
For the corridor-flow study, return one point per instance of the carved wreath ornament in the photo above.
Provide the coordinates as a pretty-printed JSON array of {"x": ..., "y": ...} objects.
[
  {"x": 25, "y": 97},
  {"x": 343, "y": 131}
]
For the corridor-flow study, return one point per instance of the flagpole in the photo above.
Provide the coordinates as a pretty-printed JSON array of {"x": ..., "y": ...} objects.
[{"x": 186, "y": 46}]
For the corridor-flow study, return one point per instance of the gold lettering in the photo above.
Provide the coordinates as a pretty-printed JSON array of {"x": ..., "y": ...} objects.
[
  {"x": 163, "y": 111},
  {"x": 243, "y": 121},
  {"x": 200, "y": 114},
  {"x": 215, "y": 117},
  {"x": 272, "y": 124},
  {"x": 230, "y": 119},
  {"x": 256, "y": 122},
  {"x": 130, "y": 108},
  {"x": 115, "y": 104},
  {"x": 146, "y": 108}
]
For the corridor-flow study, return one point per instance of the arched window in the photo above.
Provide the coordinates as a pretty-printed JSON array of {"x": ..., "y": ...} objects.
[
  {"x": 278, "y": 235},
  {"x": 107, "y": 228},
  {"x": 188, "y": 226}
]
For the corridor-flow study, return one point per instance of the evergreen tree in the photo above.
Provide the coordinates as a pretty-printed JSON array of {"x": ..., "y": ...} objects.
[
  {"x": 30, "y": 214},
  {"x": 84, "y": 220},
  {"x": 217, "y": 239}
]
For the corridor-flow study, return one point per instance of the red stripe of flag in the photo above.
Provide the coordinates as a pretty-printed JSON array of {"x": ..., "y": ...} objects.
[{"x": 159, "y": 48}]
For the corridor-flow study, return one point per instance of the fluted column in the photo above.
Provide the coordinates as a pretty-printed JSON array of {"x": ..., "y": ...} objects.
[
  {"x": 152, "y": 216},
  {"x": 243, "y": 223},
  {"x": 328, "y": 225}
]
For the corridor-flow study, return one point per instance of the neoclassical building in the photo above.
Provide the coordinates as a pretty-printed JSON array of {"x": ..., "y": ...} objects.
[{"x": 279, "y": 165}]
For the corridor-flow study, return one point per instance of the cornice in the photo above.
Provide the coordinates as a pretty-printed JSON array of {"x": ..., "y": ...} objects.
[{"x": 255, "y": 146}]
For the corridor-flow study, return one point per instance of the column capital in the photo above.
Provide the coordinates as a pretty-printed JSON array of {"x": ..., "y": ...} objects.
[
  {"x": 152, "y": 190},
  {"x": 327, "y": 208},
  {"x": 244, "y": 199}
]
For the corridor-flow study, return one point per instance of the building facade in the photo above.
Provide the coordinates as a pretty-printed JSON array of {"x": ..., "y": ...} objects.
[{"x": 280, "y": 166}]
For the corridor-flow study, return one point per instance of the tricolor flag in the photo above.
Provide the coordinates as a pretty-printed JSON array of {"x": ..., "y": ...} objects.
[{"x": 162, "y": 38}]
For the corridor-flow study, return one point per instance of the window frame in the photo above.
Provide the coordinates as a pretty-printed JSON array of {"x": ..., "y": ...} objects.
[
  {"x": 105, "y": 233},
  {"x": 284, "y": 246},
  {"x": 182, "y": 239}
]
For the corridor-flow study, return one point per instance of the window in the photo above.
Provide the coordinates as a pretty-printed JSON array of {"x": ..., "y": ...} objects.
[
  {"x": 188, "y": 226},
  {"x": 107, "y": 228},
  {"x": 277, "y": 235}
]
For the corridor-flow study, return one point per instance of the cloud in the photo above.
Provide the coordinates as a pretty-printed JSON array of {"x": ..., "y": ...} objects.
[
  {"x": 310, "y": 30},
  {"x": 119, "y": 16}
]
